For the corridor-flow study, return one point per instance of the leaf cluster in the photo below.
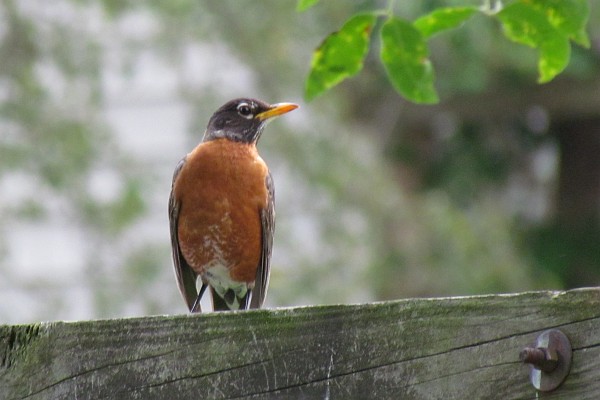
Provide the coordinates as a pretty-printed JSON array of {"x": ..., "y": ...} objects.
[{"x": 548, "y": 26}]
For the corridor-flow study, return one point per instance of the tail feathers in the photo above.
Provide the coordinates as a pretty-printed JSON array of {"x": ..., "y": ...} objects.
[
  {"x": 229, "y": 301},
  {"x": 195, "y": 307}
]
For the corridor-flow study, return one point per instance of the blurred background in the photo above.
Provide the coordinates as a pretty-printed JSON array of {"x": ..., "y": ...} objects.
[{"x": 495, "y": 189}]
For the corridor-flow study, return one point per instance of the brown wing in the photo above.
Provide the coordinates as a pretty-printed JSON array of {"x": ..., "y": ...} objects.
[
  {"x": 267, "y": 219},
  {"x": 186, "y": 277}
]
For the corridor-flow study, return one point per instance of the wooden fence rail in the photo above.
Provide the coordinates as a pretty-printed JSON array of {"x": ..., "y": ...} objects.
[{"x": 444, "y": 348}]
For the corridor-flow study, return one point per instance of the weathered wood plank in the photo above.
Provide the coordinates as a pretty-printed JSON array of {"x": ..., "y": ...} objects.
[{"x": 450, "y": 348}]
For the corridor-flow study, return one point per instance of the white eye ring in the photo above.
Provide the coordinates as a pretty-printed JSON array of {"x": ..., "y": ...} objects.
[{"x": 245, "y": 110}]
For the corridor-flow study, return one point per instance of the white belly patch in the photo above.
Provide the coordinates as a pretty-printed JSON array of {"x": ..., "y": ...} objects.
[{"x": 217, "y": 276}]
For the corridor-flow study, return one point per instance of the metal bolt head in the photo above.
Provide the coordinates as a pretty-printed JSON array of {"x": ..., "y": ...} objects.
[
  {"x": 549, "y": 360},
  {"x": 543, "y": 359}
]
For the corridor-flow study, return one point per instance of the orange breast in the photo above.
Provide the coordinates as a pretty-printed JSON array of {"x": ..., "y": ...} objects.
[{"x": 221, "y": 190}]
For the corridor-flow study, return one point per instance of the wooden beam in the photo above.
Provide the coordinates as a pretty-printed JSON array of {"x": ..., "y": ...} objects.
[{"x": 450, "y": 348}]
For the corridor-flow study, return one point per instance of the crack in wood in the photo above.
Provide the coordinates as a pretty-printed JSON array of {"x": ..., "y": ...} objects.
[
  {"x": 407, "y": 348},
  {"x": 96, "y": 369}
]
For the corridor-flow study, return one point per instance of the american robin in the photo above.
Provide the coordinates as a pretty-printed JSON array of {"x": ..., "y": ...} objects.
[{"x": 221, "y": 210}]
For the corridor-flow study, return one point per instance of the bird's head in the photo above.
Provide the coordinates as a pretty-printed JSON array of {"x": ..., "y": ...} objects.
[{"x": 243, "y": 120}]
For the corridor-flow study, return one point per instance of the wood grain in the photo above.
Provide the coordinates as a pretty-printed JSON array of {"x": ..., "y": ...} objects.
[{"x": 443, "y": 348}]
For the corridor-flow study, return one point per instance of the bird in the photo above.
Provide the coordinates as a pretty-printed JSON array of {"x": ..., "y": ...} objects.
[{"x": 222, "y": 210}]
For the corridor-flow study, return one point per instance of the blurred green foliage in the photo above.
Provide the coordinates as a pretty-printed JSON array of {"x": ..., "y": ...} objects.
[
  {"x": 53, "y": 137},
  {"x": 371, "y": 203}
]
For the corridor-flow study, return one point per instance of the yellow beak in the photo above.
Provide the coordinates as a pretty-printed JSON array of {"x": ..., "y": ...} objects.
[{"x": 276, "y": 110}]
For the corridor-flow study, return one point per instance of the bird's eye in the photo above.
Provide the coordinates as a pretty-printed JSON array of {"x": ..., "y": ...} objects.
[{"x": 244, "y": 110}]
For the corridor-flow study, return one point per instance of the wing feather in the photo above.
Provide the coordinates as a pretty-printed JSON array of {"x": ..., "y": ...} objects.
[
  {"x": 267, "y": 219},
  {"x": 186, "y": 277}
]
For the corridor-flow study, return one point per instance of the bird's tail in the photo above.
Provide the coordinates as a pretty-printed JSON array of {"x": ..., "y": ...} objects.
[{"x": 230, "y": 301}]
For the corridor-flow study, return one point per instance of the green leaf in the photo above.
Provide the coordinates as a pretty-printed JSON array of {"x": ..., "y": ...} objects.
[
  {"x": 304, "y": 5},
  {"x": 443, "y": 19},
  {"x": 404, "y": 54},
  {"x": 568, "y": 16},
  {"x": 527, "y": 25},
  {"x": 341, "y": 55}
]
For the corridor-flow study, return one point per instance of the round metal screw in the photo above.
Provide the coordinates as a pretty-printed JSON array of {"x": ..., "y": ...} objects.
[
  {"x": 549, "y": 359},
  {"x": 540, "y": 358}
]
